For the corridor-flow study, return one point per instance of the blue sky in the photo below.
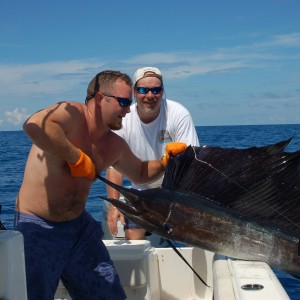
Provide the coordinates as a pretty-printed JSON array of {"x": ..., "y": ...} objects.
[{"x": 229, "y": 62}]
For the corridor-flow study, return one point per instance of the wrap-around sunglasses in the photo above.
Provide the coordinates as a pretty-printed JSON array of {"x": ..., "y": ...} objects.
[
  {"x": 124, "y": 102},
  {"x": 145, "y": 90}
]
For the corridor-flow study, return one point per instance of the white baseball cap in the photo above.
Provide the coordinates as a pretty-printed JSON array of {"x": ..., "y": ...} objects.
[{"x": 141, "y": 73}]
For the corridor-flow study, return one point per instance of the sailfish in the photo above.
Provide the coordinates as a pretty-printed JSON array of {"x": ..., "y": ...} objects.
[{"x": 241, "y": 203}]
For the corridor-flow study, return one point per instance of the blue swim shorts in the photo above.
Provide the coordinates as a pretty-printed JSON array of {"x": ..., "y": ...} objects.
[
  {"x": 72, "y": 251},
  {"x": 131, "y": 225},
  {"x": 155, "y": 239}
]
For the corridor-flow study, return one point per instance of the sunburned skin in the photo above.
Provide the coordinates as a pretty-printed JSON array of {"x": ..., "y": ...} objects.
[{"x": 59, "y": 133}]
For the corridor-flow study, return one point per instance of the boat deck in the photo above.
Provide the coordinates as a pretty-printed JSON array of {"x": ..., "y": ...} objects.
[{"x": 150, "y": 273}]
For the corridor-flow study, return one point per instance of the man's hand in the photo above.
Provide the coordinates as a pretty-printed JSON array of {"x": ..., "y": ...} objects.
[
  {"x": 173, "y": 149},
  {"x": 84, "y": 167},
  {"x": 112, "y": 219}
]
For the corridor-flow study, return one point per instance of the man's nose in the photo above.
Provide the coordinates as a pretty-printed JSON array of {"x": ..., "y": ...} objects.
[
  {"x": 149, "y": 94},
  {"x": 127, "y": 109}
]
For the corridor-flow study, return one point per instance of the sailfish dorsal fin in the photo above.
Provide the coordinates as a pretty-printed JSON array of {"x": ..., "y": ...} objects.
[{"x": 260, "y": 182}]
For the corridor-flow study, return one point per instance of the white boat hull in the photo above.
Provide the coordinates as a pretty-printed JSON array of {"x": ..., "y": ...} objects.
[{"x": 150, "y": 273}]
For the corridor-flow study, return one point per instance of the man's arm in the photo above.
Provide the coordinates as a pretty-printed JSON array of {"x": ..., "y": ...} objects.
[
  {"x": 48, "y": 130},
  {"x": 115, "y": 177},
  {"x": 141, "y": 172},
  {"x": 113, "y": 213},
  {"x": 136, "y": 170},
  {"x": 186, "y": 131}
]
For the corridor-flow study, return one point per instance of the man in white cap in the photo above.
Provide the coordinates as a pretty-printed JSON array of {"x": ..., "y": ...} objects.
[{"x": 153, "y": 122}]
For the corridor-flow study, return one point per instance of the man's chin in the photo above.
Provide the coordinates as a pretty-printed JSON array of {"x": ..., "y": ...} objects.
[
  {"x": 150, "y": 109},
  {"x": 115, "y": 126}
]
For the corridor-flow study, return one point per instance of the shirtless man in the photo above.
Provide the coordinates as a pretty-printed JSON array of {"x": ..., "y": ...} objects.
[{"x": 71, "y": 143}]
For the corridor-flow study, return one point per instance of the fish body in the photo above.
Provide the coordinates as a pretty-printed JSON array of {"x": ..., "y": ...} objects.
[{"x": 259, "y": 221}]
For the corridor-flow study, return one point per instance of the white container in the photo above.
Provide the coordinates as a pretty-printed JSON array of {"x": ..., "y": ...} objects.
[
  {"x": 137, "y": 265},
  {"x": 12, "y": 266},
  {"x": 245, "y": 280}
]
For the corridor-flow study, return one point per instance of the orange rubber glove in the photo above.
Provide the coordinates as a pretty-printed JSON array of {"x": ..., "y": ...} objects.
[
  {"x": 172, "y": 149},
  {"x": 84, "y": 167}
]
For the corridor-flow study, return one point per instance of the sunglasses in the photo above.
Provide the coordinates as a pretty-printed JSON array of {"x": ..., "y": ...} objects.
[
  {"x": 124, "y": 102},
  {"x": 145, "y": 90}
]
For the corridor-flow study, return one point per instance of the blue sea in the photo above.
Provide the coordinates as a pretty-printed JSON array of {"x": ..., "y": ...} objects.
[{"x": 15, "y": 146}]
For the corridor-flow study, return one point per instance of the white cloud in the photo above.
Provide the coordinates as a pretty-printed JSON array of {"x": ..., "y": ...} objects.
[
  {"x": 45, "y": 78},
  {"x": 251, "y": 64},
  {"x": 17, "y": 116},
  {"x": 62, "y": 76},
  {"x": 288, "y": 40}
]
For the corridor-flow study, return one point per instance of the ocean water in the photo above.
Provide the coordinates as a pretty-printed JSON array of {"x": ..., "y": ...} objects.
[{"x": 15, "y": 146}]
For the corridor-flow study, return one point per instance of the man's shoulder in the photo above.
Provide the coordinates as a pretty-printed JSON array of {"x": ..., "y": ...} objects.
[
  {"x": 172, "y": 102},
  {"x": 75, "y": 103},
  {"x": 72, "y": 107},
  {"x": 115, "y": 139},
  {"x": 176, "y": 107}
]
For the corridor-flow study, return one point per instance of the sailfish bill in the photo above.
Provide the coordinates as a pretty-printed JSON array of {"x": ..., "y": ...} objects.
[{"x": 242, "y": 203}]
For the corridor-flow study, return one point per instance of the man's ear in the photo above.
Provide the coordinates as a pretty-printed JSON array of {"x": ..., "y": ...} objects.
[{"x": 98, "y": 97}]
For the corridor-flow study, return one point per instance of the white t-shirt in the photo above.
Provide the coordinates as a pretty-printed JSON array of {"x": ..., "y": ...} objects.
[{"x": 148, "y": 141}]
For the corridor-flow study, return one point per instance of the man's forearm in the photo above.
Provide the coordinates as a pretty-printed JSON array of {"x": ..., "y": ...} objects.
[{"x": 115, "y": 177}]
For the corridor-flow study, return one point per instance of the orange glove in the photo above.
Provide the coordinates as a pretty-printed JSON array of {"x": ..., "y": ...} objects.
[
  {"x": 172, "y": 149},
  {"x": 84, "y": 167}
]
